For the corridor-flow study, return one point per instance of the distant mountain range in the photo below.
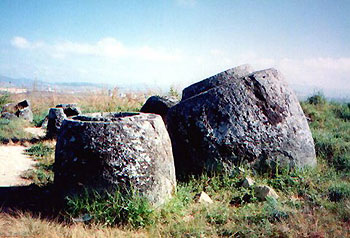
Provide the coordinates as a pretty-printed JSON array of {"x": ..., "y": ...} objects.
[{"x": 32, "y": 84}]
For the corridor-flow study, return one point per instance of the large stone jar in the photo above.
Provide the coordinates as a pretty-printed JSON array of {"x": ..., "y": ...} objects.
[
  {"x": 116, "y": 150},
  {"x": 227, "y": 120}
]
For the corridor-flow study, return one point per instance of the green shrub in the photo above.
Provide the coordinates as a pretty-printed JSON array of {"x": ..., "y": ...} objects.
[
  {"x": 10, "y": 129},
  {"x": 274, "y": 211},
  {"x": 42, "y": 173},
  {"x": 338, "y": 192},
  {"x": 4, "y": 99},
  {"x": 40, "y": 150},
  {"x": 317, "y": 99}
]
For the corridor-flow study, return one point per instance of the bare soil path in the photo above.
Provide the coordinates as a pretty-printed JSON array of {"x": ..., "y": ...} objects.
[{"x": 13, "y": 162}]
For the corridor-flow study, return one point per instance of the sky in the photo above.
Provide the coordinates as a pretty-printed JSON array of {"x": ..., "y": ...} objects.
[{"x": 163, "y": 43}]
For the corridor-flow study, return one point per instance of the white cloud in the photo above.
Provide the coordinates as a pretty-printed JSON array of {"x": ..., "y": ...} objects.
[
  {"x": 106, "y": 47},
  {"x": 20, "y": 42}
]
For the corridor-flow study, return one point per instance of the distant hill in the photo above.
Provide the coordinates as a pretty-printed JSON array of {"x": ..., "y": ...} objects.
[{"x": 30, "y": 84}]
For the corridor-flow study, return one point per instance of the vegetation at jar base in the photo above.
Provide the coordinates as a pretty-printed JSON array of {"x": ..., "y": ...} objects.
[{"x": 108, "y": 209}]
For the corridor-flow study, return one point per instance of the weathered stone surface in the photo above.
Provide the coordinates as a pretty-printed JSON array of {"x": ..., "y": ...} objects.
[
  {"x": 159, "y": 105},
  {"x": 45, "y": 122},
  {"x": 116, "y": 150},
  {"x": 70, "y": 109},
  {"x": 8, "y": 115},
  {"x": 216, "y": 80},
  {"x": 203, "y": 198},
  {"x": 55, "y": 119},
  {"x": 264, "y": 191},
  {"x": 9, "y": 107},
  {"x": 25, "y": 113},
  {"x": 256, "y": 119},
  {"x": 248, "y": 182},
  {"x": 19, "y": 110}
]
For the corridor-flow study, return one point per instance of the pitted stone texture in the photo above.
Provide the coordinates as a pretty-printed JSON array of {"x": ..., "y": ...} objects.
[
  {"x": 256, "y": 118},
  {"x": 159, "y": 105},
  {"x": 216, "y": 80},
  {"x": 25, "y": 114},
  {"x": 9, "y": 107},
  {"x": 20, "y": 110},
  {"x": 70, "y": 109},
  {"x": 55, "y": 119},
  {"x": 116, "y": 150}
]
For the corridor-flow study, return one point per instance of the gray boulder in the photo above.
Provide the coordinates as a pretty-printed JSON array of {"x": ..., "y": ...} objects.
[
  {"x": 25, "y": 113},
  {"x": 55, "y": 119},
  {"x": 159, "y": 105},
  {"x": 8, "y": 115},
  {"x": 116, "y": 150},
  {"x": 9, "y": 107},
  {"x": 70, "y": 109},
  {"x": 255, "y": 119},
  {"x": 216, "y": 80},
  {"x": 20, "y": 110},
  {"x": 264, "y": 191}
]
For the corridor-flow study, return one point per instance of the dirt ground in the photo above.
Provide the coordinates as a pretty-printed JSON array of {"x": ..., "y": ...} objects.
[{"x": 13, "y": 162}]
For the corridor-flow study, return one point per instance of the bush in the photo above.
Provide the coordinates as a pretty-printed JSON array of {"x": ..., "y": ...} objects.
[
  {"x": 4, "y": 99},
  {"x": 40, "y": 150},
  {"x": 317, "y": 99},
  {"x": 13, "y": 129},
  {"x": 338, "y": 192}
]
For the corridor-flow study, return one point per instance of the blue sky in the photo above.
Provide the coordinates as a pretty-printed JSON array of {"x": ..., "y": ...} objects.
[{"x": 175, "y": 42}]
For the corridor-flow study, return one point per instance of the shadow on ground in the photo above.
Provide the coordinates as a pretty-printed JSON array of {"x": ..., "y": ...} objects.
[{"x": 37, "y": 200}]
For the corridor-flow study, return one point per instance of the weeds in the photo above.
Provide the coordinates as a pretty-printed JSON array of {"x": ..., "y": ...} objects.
[
  {"x": 42, "y": 173},
  {"x": 109, "y": 209},
  {"x": 13, "y": 130}
]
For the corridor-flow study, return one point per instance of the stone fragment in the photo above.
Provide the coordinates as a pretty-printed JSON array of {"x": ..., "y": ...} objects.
[
  {"x": 203, "y": 198},
  {"x": 70, "y": 109},
  {"x": 25, "y": 113},
  {"x": 8, "y": 115},
  {"x": 159, "y": 105},
  {"x": 254, "y": 119},
  {"x": 9, "y": 107},
  {"x": 115, "y": 151},
  {"x": 55, "y": 119},
  {"x": 248, "y": 182},
  {"x": 264, "y": 191}
]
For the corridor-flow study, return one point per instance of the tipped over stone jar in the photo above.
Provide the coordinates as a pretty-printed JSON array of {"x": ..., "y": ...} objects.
[{"x": 110, "y": 151}]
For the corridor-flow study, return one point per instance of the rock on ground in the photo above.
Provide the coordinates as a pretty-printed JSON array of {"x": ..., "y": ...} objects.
[
  {"x": 20, "y": 110},
  {"x": 256, "y": 119},
  {"x": 264, "y": 191},
  {"x": 70, "y": 109},
  {"x": 203, "y": 198},
  {"x": 159, "y": 105},
  {"x": 117, "y": 150},
  {"x": 55, "y": 119}
]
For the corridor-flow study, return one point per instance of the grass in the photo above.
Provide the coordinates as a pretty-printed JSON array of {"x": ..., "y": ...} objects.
[
  {"x": 313, "y": 202},
  {"x": 13, "y": 130},
  {"x": 43, "y": 154}
]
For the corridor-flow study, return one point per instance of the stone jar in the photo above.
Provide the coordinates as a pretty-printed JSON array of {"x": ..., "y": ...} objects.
[{"x": 116, "y": 150}]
